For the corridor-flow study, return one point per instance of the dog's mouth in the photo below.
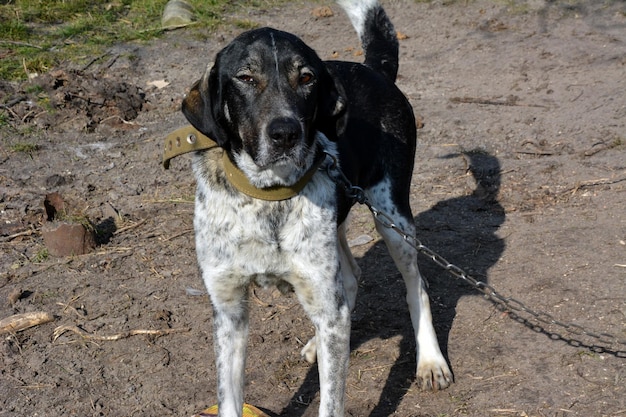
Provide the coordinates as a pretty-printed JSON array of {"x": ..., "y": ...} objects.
[
  {"x": 294, "y": 158},
  {"x": 268, "y": 155},
  {"x": 276, "y": 168}
]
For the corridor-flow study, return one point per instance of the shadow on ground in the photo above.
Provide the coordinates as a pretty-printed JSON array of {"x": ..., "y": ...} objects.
[{"x": 461, "y": 229}]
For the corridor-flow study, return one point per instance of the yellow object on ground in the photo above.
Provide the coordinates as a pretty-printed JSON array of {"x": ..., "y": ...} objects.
[{"x": 248, "y": 411}]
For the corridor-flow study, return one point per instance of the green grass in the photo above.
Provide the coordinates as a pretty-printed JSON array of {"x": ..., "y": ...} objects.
[
  {"x": 37, "y": 35},
  {"x": 25, "y": 147},
  {"x": 42, "y": 255}
]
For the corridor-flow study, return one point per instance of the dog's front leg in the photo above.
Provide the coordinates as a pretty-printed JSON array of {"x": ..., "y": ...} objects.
[
  {"x": 327, "y": 306},
  {"x": 333, "y": 351},
  {"x": 230, "y": 325}
]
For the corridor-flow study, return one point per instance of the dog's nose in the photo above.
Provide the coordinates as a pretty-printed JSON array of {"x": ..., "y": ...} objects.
[{"x": 284, "y": 131}]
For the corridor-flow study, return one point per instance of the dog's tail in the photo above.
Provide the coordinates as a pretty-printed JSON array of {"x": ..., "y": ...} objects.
[{"x": 378, "y": 36}]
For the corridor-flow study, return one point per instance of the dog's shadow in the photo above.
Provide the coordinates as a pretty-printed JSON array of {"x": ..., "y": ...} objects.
[{"x": 463, "y": 230}]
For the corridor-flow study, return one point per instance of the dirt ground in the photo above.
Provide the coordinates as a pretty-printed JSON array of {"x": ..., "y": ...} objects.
[{"x": 520, "y": 179}]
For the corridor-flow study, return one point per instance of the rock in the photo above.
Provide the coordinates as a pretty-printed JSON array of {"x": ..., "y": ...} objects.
[
  {"x": 177, "y": 13},
  {"x": 67, "y": 239},
  {"x": 61, "y": 234}
]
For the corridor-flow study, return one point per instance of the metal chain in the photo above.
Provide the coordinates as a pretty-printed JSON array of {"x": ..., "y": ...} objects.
[{"x": 508, "y": 304}]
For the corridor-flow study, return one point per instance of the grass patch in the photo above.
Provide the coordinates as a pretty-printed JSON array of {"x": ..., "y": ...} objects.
[
  {"x": 37, "y": 35},
  {"x": 25, "y": 147},
  {"x": 42, "y": 255},
  {"x": 245, "y": 24}
]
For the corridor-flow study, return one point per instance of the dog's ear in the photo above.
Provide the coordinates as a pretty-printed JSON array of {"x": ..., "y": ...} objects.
[
  {"x": 202, "y": 107},
  {"x": 332, "y": 109}
]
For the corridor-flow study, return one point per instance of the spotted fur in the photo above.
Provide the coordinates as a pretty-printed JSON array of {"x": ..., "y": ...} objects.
[{"x": 274, "y": 107}]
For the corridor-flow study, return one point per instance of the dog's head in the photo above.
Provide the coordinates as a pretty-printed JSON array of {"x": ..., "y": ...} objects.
[{"x": 263, "y": 101}]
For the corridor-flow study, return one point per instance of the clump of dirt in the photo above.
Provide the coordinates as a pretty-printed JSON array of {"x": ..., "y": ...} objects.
[{"x": 75, "y": 100}]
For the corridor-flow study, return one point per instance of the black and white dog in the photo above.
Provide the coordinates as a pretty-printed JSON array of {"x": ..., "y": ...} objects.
[{"x": 276, "y": 109}]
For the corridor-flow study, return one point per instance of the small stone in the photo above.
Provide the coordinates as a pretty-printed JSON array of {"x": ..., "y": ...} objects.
[
  {"x": 55, "y": 181},
  {"x": 360, "y": 240},
  {"x": 322, "y": 11},
  {"x": 67, "y": 239}
]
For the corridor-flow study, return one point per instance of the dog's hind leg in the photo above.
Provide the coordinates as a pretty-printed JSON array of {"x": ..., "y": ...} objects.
[
  {"x": 349, "y": 269},
  {"x": 432, "y": 369}
]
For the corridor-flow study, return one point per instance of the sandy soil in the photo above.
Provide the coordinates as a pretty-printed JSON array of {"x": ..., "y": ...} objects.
[{"x": 520, "y": 179}]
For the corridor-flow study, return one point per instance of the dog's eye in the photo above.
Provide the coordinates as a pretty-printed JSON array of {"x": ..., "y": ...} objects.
[
  {"x": 305, "y": 78},
  {"x": 246, "y": 78}
]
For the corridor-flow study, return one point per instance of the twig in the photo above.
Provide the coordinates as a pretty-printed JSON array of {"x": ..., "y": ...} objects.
[
  {"x": 604, "y": 147},
  {"x": 178, "y": 200},
  {"x": 30, "y": 45},
  {"x": 72, "y": 308},
  {"x": 118, "y": 336},
  {"x": 260, "y": 302},
  {"x": 68, "y": 306},
  {"x": 19, "y": 234},
  {"x": 171, "y": 27},
  {"x": 88, "y": 100},
  {"x": 537, "y": 153},
  {"x": 184, "y": 232},
  {"x": 509, "y": 101},
  {"x": 593, "y": 183},
  {"x": 12, "y": 113},
  {"x": 264, "y": 304},
  {"x": 23, "y": 321},
  {"x": 29, "y": 75},
  {"x": 126, "y": 122},
  {"x": 478, "y": 100},
  {"x": 123, "y": 250},
  {"x": 27, "y": 115},
  {"x": 99, "y": 57},
  {"x": 127, "y": 228},
  {"x": 110, "y": 62},
  {"x": 13, "y": 102}
]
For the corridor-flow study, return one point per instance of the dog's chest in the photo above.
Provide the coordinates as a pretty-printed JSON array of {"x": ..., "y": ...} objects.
[{"x": 263, "y": 240}]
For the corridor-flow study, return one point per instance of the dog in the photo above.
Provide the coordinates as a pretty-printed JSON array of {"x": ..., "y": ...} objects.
[{"x": 282, "y": 117}]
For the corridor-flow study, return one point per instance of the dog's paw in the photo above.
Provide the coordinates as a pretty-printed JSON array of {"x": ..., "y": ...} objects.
[
  {"x": 434, "y": 374},
  {"x": 309, "y": 351}
]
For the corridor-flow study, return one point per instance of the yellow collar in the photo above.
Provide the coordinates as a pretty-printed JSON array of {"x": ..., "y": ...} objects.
[
  {"x": 184, "y": 140},
  {"x": 188, "y": 139}
]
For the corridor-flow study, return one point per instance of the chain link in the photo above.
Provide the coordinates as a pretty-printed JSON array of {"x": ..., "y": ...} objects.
[{"x": 535, "y": 319}]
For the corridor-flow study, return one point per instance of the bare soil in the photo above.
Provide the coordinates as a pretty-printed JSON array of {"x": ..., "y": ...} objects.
[{"x": 520, "y": 179}]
